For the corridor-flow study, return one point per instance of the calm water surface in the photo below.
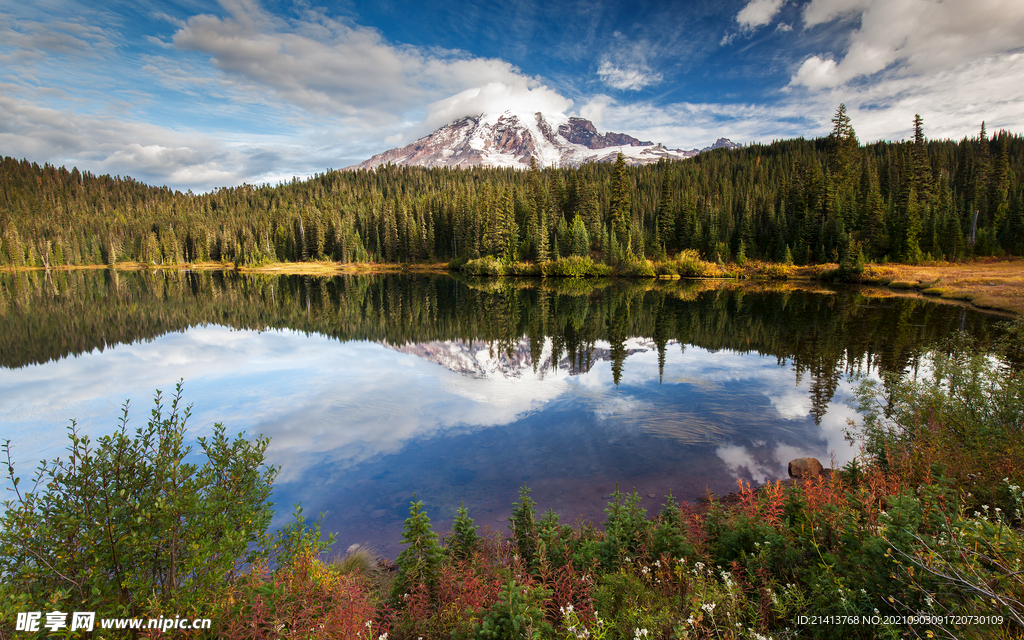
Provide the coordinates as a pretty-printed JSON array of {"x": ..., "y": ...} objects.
[{"x": 376, "y": 387}]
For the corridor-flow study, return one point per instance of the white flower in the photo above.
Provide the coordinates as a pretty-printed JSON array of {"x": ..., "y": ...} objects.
[{"x": 708, "y": 606}]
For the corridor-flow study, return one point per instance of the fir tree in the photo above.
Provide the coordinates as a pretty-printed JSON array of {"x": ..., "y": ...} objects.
[
  {"x": 464, "y": 538},
  {"x": 524, "y": 527},
  {"x": 580, "y": 239},
  {"x": 420, "y": 562},
  {"x": 620, "y": 213}
]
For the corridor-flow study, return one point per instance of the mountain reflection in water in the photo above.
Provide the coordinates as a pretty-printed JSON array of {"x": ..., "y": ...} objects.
[{"x": 375, "y": 387}]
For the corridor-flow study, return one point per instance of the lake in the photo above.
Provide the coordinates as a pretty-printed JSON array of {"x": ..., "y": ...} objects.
[{"x": 373, "y": 388}]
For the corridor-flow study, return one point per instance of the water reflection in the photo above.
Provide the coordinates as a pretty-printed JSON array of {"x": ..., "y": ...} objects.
[{"x": 374, "y": 387}]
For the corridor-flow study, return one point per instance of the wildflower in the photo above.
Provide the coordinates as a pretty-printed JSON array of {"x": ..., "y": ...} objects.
[{"x": 708, "y": 606}]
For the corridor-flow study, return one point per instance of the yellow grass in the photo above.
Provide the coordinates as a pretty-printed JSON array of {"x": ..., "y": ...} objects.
[{"x": 991, "y": 284}]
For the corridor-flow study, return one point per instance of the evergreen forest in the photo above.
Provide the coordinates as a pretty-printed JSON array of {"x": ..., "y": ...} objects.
[{"x": 826, "y": 200}]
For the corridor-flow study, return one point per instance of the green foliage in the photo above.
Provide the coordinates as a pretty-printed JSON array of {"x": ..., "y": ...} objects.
[
  {"x": 689, "y": 265},
  {"x": 127, "y": 527},
  {"x": 625, "y": 528},
  {"x": 966, "y": 416},
  {"x": 464, "y": 539},
  {"x": 668, "y": 538},
  {"x": 420, "y": 562},
  {"x": 486, "y": 266},
  {"x": 580, "y": 239},
  {"x": 295, "y": 540},
  {"x": 575, "y": 267},
  {"x": 813, "y": 196},
  {"x": 524, "y": 527},
  {"x": 518, "y": 615}
]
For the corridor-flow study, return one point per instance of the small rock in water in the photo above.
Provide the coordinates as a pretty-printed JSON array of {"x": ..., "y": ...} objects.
[
  {"x": 379, "y": 513},
  {"x": 651, "y": 495},
  {"x": 805, "y": 468}
]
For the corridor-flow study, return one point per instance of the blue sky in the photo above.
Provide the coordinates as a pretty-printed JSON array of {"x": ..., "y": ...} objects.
[{"x": 200, "y": 94}]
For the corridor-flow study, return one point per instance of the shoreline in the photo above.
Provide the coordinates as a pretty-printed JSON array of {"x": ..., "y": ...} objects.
[{"x": 992, "y": 285}]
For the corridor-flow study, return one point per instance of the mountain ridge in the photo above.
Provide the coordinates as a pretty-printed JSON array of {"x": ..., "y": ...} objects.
[{"x": 512, "y": 139}]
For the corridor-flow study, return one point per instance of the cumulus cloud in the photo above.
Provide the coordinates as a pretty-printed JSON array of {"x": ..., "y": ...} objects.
[
  {"x": 337, "y": 68},
  {"x": 917, "y": 36},
  {"x": 521, "y": 96},
  {"x": 180, "y": 158},
  {"x": 758, "y": 13}
]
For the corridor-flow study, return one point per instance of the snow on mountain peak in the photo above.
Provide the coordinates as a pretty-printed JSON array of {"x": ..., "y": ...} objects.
[{"x": 511, "y": 139}]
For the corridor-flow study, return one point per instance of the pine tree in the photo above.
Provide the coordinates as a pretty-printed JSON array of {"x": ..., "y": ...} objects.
[
  {"x": 621, "y": 212},
  {"x": 665, "y": 213},
  {"x": 580, "y": 239},
  {"x": 420, "y": 562},
  {"x": 922, "y": 167},
  {"x": 843, "y": 153},
  {"x": 464, "y": 539},
  {"x": 524, "y": 527}
]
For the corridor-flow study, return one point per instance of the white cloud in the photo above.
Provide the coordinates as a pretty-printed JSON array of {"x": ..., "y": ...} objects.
[
  {"x": 626, "y": 66},
  {"x": 522, "y": 96},
  {"x": 336, "y": 68},
  {"x": 630, "y": 78},
  {"x": 758, "y": 13},
  {"x": 181, "y": 158},
  {"x": 918, "y": 36}
]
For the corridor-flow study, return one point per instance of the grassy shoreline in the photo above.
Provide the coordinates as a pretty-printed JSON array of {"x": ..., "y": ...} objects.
[{"x": 991, "y": 285}]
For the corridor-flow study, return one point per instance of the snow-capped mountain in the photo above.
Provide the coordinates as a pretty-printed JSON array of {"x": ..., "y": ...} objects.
[{"x": 511, "y": 139}]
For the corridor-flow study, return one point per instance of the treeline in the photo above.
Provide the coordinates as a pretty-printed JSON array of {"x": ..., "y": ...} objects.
[
  {"x": 822, "y": 336},
  {"x": 804, "y": 201}
]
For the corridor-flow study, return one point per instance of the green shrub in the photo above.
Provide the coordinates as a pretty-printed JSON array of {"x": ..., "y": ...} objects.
[
  {"x": 485, "y": 266},
  {"x": 464, "y": 539},
  {"x": 636, "y": 268},
  {"x": 518, "y": 615},
  {"x": 420, "y": 562},
  {"x": 126, "y": 527},
  {"x": 574, "y": 267},
  {"x": 689, "y": 265},
  {"x": 456, "y": 264}
]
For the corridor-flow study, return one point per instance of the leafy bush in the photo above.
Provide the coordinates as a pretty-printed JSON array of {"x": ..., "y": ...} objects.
[
  {"x": 772, "y": 272},
  {"x": 688, "y": 264},
  {"x": 125, "y": 527},
  {"x": 635, "y": 268},
  {"x": 518, "y": 615},
  {"x": 574, "y": 267},
  {"x": 966, "y": 417},
  {"x": 485, "y": 266}
]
